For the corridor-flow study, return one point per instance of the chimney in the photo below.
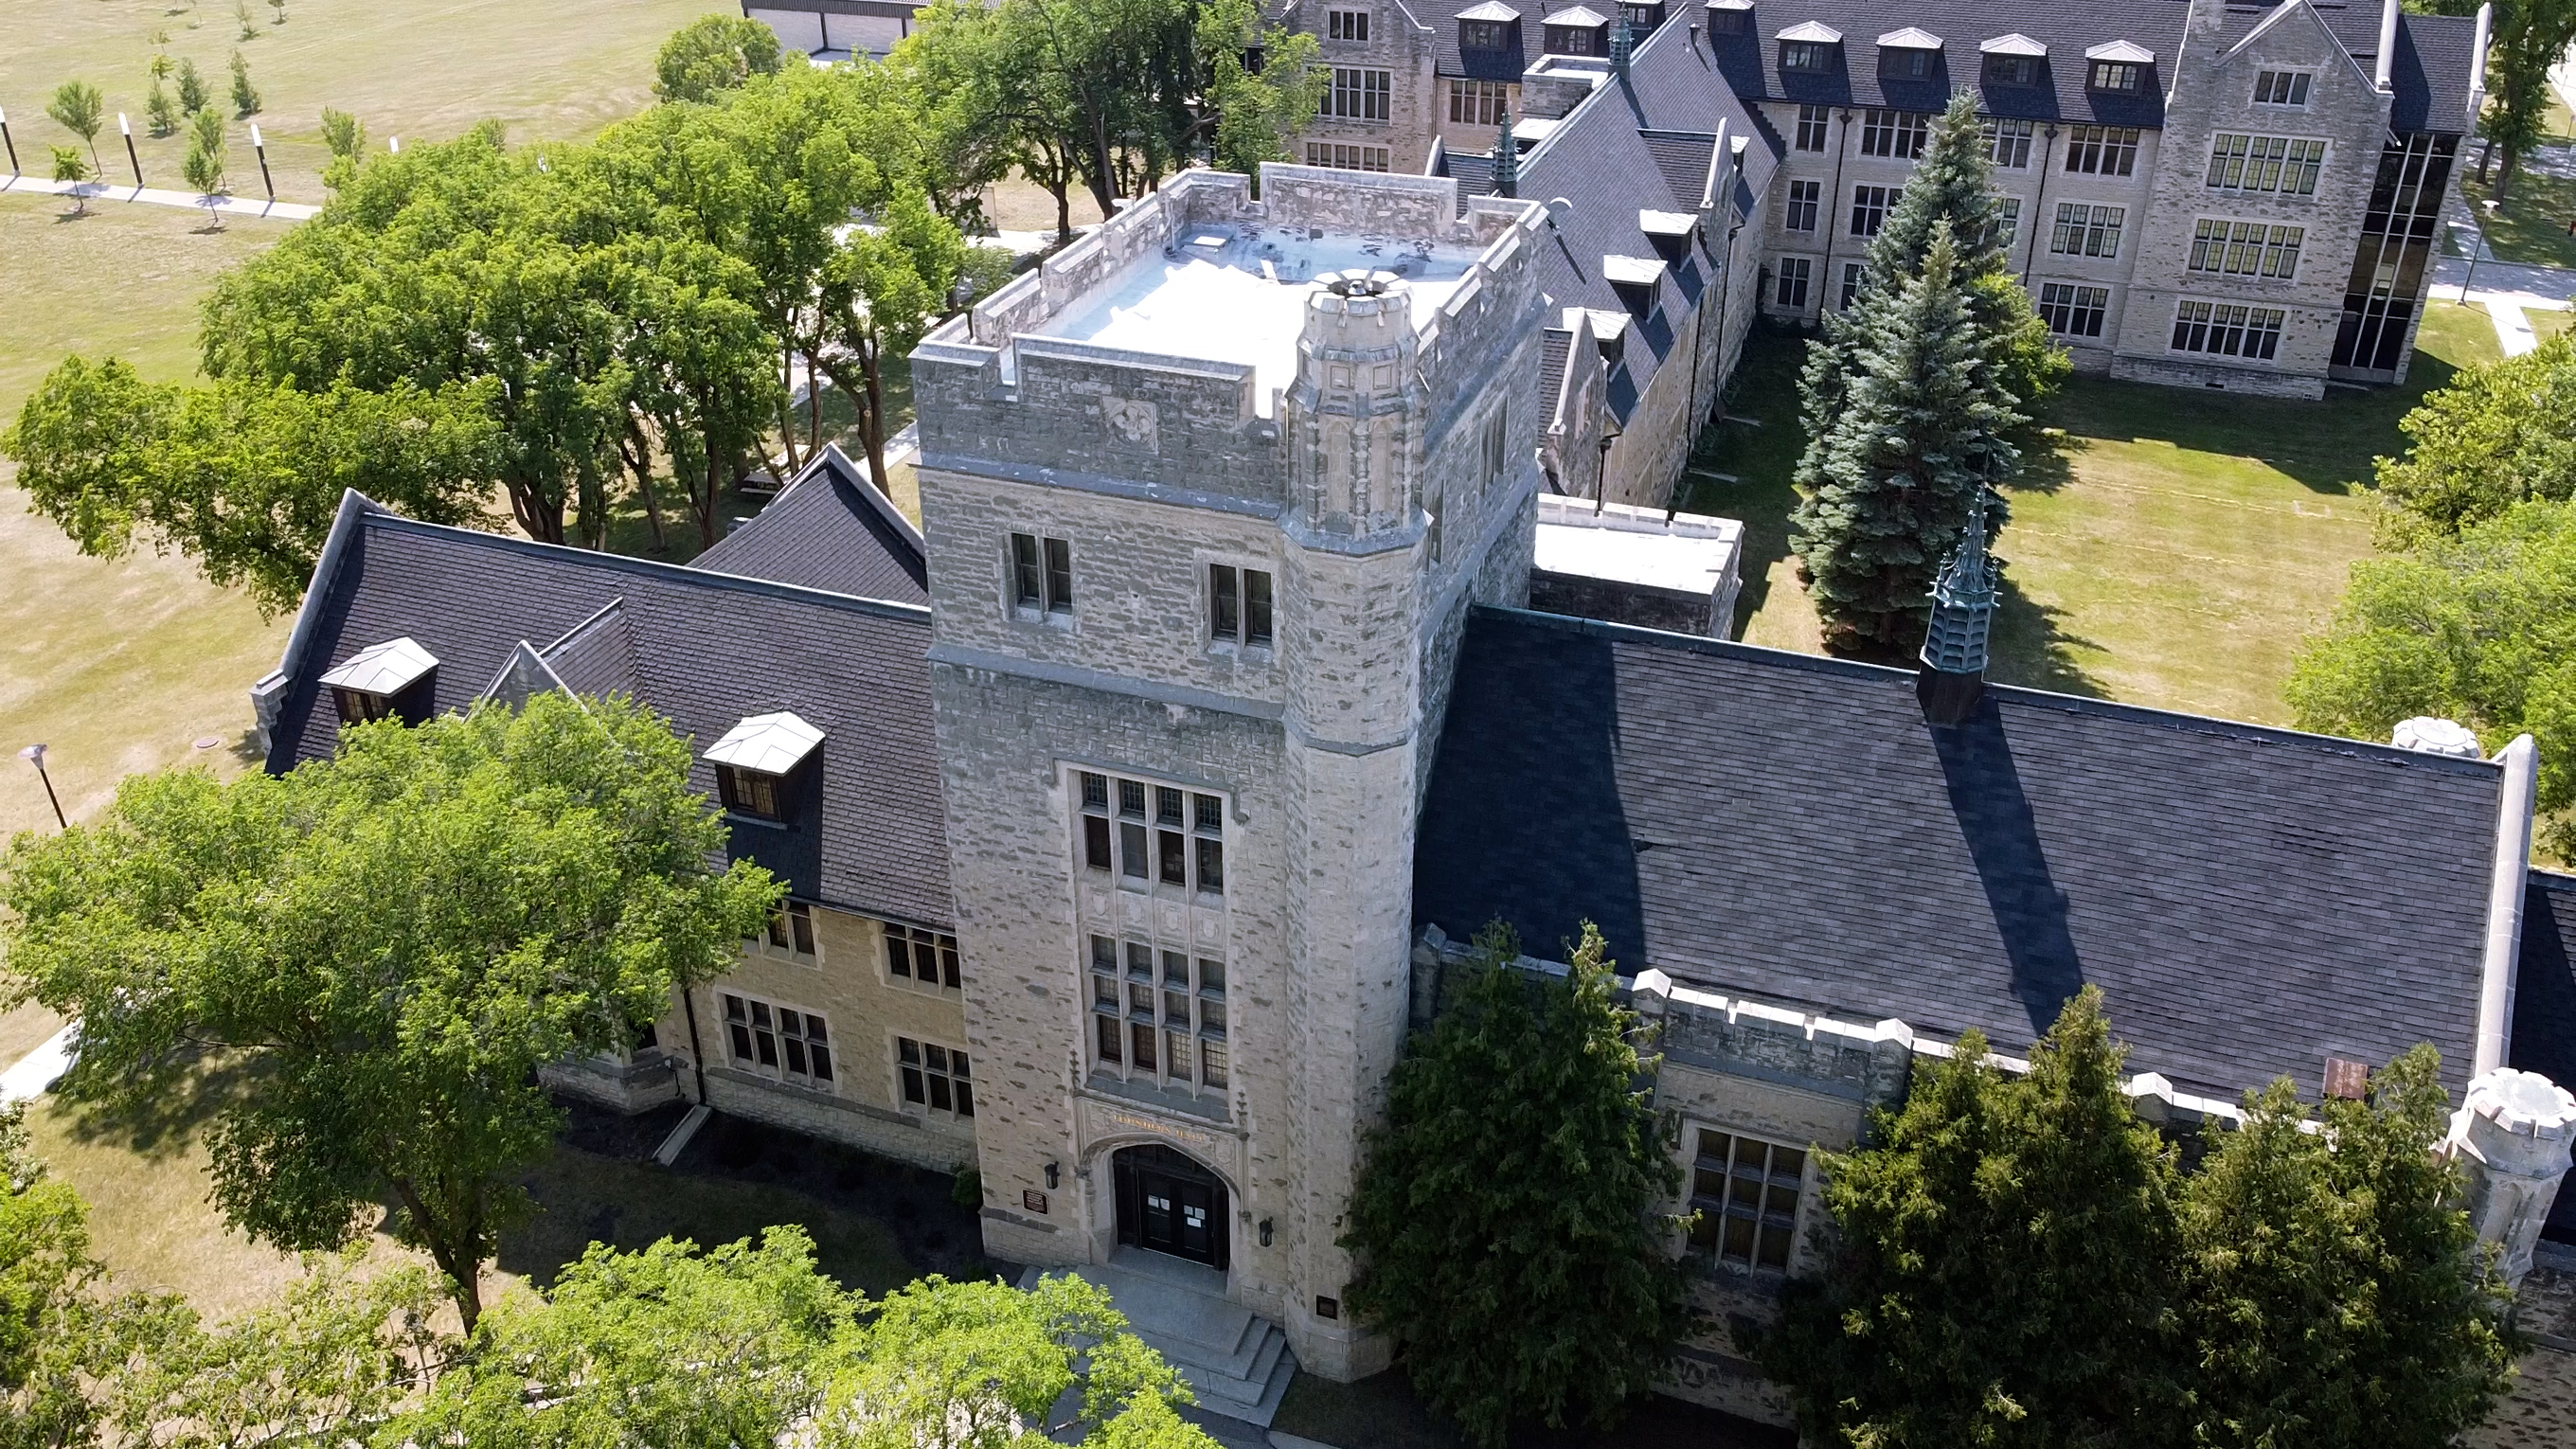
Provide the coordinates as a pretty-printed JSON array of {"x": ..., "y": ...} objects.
[
  {"x": 1953, "y": 676},
  {"x": 2208, "y": 18},
  {"x": 2384, "y": 64}
]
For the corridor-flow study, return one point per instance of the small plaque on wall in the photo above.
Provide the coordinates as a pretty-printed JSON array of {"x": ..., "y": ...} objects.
[{"x": 1033, "y": 1200}]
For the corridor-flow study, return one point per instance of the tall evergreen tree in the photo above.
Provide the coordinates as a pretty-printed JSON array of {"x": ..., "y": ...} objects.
[
  {"x": 1918, "y": 429},
  {"x": 1512, "y": 1218},
  {"x": 2002, "y": 1271}
]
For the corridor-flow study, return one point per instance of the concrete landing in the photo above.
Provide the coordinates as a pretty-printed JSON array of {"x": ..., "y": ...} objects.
[{"x": 1236, "y": 1361}]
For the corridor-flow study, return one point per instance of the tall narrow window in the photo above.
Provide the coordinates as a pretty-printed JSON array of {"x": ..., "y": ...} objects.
[
  {"x": 927, "y": 957},
  {"x": 1792, "y": 283},
  {"x": 1346, "y": 24},
  {"x": 2008, "y": 141},
  {"x": 1095, "y": 822},
  {"x": 1238, "y": 605},
  {"x": 1803, "y": 199},
  {"x": 1813, "y": 125},
  {"x": 791, "y": 929},
  {"x": 1869, "y": 209},
  {"x": 1041, "y": 574},
  {"x": 1164, "y": 1019},
  {"x": 775, "y": 1041}
]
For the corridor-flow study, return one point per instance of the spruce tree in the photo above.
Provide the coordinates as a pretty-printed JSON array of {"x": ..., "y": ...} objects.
[
  {"x": 1920, "y": 429},
  {"x": 2001, "y": 1271},
  {"x": 1512, "y": 1218}
]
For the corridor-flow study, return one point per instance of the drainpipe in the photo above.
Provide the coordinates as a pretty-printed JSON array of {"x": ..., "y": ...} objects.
[
  {"x": 1832, "y": 218},
  {"x": 697, "y": 1054},
  {"x": 2038, "y": 204}
]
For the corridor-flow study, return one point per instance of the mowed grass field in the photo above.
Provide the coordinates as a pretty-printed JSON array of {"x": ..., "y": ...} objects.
[
  {"x": 2170, "y": 549},
  {"x": 418, "y": 69}
]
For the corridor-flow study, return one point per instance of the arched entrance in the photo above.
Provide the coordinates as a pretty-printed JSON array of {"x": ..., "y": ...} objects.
[{"x": 1168, "y": 1203}]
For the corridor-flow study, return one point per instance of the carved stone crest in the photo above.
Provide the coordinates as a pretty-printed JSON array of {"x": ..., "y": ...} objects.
[{"x": 1132, "y": 422}]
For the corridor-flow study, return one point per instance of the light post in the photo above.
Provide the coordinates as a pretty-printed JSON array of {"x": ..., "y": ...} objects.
[
  {"x": 2474, "y": 248},
  {"x": 131, "y": 159},
  {"x": 261, "y": 147},
  {"x": 9, "y": 141},
  {"x": 35, "y": 755}
]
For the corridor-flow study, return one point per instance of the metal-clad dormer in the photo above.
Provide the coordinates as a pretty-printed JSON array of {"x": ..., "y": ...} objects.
[{"x": 392, "y": 680}]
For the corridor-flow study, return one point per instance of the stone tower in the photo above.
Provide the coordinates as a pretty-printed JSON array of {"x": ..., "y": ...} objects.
[{"x": 1207, "y": 498}]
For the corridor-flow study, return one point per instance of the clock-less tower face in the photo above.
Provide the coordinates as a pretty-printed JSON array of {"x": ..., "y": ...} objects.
[{"x": 1206, "y": 501}]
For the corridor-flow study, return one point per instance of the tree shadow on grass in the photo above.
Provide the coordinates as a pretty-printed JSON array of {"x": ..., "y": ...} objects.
[
  {"x": 2031, "y": 647},
  {"x": 159, "y": 1124}
]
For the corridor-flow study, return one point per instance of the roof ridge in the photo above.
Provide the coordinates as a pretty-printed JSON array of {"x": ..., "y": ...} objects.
[
  {"x": 2021, "y": 695},
  {"x": 651, "y": 568}
]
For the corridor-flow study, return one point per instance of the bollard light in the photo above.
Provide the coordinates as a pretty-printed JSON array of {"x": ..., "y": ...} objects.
[
  {"x": 35, "y": 755},
  {"x": 261, "y": 147},
  {"x": 131, "y": 159},
  {"x": 12, "y": 144}
]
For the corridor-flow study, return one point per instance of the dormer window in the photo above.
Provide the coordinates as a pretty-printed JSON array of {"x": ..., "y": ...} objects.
[
  {"x": 1487, "y": 26},
  {"x": 759, "y": 765},
  {"x": 1643, "y": 18},
  {"x": 1669, "y": 231},
  {"x": 1638, "y": 281},
  {"x": 1909, "y": 54},
  {"x": 1577, "y": 31},
  {"x": 1726, "y": 17},
  {"x": 392, "y": 680},
  {"x": 2012, "y": 60},
  {"x": 1808, "y": 48},
  {"x": 2119, "y": 67}
]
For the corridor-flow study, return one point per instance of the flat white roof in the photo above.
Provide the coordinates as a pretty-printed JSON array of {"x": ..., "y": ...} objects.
[
  {"x": 771, "y": 744},
  {"x": 385, "y": 669},
  {"x": 1236, "y": 292},
  {"x": 1691, "y": 555}
]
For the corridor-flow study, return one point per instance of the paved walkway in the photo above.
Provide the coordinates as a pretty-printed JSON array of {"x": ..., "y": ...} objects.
[
  {"x": 35, "y": 1071},
  {"x": 153, "y": 196}
]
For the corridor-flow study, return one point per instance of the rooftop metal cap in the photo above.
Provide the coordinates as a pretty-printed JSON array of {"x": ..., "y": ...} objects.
[{"x": 1963, "y": 612}]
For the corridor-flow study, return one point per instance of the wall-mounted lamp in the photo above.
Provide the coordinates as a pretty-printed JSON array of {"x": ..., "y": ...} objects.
[
  {"x": 1265, "y": 1232},
  {"x": 1054, "y": 1174}
]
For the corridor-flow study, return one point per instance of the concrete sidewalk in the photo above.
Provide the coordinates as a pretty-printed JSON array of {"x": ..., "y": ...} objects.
[
  {"x": 2507, "y": 290},
  {"x": 154, "y": 196}
]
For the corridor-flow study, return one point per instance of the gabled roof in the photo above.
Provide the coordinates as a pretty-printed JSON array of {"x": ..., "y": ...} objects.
[
  {"x": 1910, "y": 38},
  {"x": 770, "y": 744},
  {"x": 2122, "y": 50},
  {"x": 1578, "y": 16},
  {"x": 1787, "y": 827},
  {"x": 830, "y": 529},
  {"x": 388, "y": 668},
  {"x": 1810, "y": 30},
  {"x": 1490, "y": 10},
  {"x": 2014, "y": 44},
  {"x": 704, "y": 649}
]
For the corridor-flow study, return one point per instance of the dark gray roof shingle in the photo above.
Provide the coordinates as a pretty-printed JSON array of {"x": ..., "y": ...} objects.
[
  {"x": 829, "y": 530},
  {"x": 1787, "y": 827},
  {"x": 706, "y": 650},
  {"x": 2544, "y": 1002}
]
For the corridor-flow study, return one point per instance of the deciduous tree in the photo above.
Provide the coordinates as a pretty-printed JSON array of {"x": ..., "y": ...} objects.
[
  {"x": 68, "y": 166},
  {"x": 396, "y": 939},
  {"x": 1511, "y": 1219},
  {"x": 77, "y": 108},
  {"x": 714, "y": 54},
  {"x": 243, "y": 477},
  {"x": 2474, "y": 629},
  {"x": 2497, "y": 435}
]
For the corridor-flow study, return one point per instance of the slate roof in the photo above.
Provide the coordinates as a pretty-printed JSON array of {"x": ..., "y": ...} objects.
[
  {"x": 831, "y": 530},
  {"x": 1786, "y": 827},
  {"x": 2544, "y": 1002},
  {"x": 705, "y": 649},
  {"x": 2431, "y": 76},
  {"x": 1621, "y": 149}
]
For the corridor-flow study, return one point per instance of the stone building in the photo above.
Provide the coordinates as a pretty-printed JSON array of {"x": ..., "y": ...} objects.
[
  {"x": 2195, "y": 193},
  {"x": 1131, "y": 810}
]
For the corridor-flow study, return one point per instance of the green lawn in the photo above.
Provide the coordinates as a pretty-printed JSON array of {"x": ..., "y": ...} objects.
[
  {"x": 418, "y": 69},
  {"x": 144, "y": 1177},
  {"x": 2549, "y": 324},
  {"x": 2532, "y": 224},
  {"x": 2169, "y": 550}
]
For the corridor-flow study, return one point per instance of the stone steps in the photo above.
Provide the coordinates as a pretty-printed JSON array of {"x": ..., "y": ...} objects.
[{"x": 1236, "y": 1361}]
